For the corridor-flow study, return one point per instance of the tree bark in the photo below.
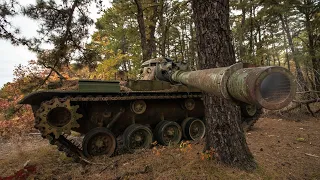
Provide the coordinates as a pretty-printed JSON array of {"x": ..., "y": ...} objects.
[
  {"x": 151, "y": 41},
  {"x": 164, "y": 28},
  {"x": 142, "y": 29},
  {"x": 162, "y": 45},
  {"x": 286, "y": 49},
  {"x": 242, "y": 31},
  {"x": 311, "y": 46},
  {"x": 259, "y": 44},
  {"x": 192, "y": 46},
  {"x": 285, "y": 25},
  {"x": 251, "y": 48},
  {"x": 148, "y": 43},
  {"x": 181, "y": 44},
  {"x": 224, "y": 132}
]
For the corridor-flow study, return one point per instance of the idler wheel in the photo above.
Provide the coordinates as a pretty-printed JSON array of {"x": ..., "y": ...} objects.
[
  {"x": 248, "y": 110},
  {"x": 193, "y": 128},
  {"x": 137, "y": 137},
  {"x": 99, "y": 141},
  {"x": 168, "y": 132}
]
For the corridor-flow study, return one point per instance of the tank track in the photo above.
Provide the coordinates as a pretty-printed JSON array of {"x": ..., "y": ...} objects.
[
  {"x": 69, "y": 147},
  {"x": 248, "y": 122},
  {"x": 74, "y": 150}
]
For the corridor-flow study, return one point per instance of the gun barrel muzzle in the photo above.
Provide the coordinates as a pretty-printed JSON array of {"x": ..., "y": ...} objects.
[{"x": 271, "y": 87}]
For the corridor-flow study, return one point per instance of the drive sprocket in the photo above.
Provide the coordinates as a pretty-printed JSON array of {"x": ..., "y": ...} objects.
[{"x": 57, "y": 116}]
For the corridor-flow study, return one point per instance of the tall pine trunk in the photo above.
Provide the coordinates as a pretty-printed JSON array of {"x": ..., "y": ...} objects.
[
  {"x": 286, "y": 49},
  {"x": 148, "y": 43},
  {"x": 242, "y": 31},
  {"x": 192, "y": 47},
  {"x": 251, "y": 48},
  {"x": 311, "y": 48},
  {"x": 163, "y": 29},
  {"x": 142, "y": 30},
  {"x": 224, "y": 132},
  {"x": 301, "y": 81}
]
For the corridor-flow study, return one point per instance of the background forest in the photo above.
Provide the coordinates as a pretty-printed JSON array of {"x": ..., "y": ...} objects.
[{"x": 268, "y": 32}]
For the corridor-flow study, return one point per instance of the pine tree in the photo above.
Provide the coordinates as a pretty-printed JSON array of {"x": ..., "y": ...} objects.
[{"x": 224, "y": 132}]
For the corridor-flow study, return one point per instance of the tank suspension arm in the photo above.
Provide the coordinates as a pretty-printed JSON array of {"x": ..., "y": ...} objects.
[
  {"x": 271, "y": 87},
  {"x": 115, "y": 118}
]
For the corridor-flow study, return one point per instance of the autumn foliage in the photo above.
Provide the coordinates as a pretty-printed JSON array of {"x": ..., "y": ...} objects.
[{"x": 16, "y": 119}]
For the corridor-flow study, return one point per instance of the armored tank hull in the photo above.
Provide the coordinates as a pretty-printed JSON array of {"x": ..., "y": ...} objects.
[{"x": 139, "y": 113}]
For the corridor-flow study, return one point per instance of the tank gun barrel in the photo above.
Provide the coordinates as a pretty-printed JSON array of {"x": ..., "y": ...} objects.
[{"x": 271, "y": 87}]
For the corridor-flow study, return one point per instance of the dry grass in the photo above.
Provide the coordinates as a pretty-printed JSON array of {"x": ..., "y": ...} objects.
[
  {"x": 277, "y": 146},
  {"x": 273, "y": 142}
]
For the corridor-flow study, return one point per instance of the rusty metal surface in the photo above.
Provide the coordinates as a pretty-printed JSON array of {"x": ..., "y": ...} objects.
[
  {"x": 213, "y": 81},
  {"x": 258, "y": 86},
  {"x": 101, "y": 110},
  {"x": 157, "y": 86},
  {"x": 146, "y": 96},
  {"x": 57, "y": 116},
  {"x": 269, "y": 87},
  {"x": 36, "y": 98},
  {"x": 74, "y": 150},
  {"x": 152, "y": 62}
]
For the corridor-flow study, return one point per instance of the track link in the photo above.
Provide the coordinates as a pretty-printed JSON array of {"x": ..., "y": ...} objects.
[{"x": 69, "y": 147}]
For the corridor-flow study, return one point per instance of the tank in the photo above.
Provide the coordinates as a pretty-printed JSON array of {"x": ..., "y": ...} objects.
[{"x": 163, "y": 105}]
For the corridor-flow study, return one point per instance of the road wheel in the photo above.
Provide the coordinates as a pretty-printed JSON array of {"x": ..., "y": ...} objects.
[
  {"x": 168, "y": 132},
  {"x": 137, "y": 137},
  {"x": 99, "y": 141},
  {"x": 193, "y": 128}
]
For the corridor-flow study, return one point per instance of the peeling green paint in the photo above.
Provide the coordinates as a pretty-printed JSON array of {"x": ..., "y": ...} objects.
[{"x": 243, "y": 84}]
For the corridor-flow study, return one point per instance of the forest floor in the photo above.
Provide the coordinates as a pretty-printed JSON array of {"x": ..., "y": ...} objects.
[{"x": 283, "y": 149}]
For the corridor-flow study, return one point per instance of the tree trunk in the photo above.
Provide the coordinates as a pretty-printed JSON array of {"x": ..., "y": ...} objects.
[
  {"x": 163, "y": 29},
  {"x": 301, "y": 81},
  {"x": 242, "y": 31},
  {"x": 151, "y": 41},
  {"x": 286, "y": 49},
  {"x": 181, "y": 45},
  {"x": 148, "y": 44},
  {"x": 192, "y": 46},
  {"x": 259, "y": 45},
  {"x": 142, "y": 30},
  {"x": 311, "y": 49},
  {"x": 251, "y": 33},
  {"x": 224, "y": 132}
]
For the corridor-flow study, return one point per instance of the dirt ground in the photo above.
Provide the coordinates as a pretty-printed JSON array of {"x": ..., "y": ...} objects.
[{"x": 283, "y": 149}]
